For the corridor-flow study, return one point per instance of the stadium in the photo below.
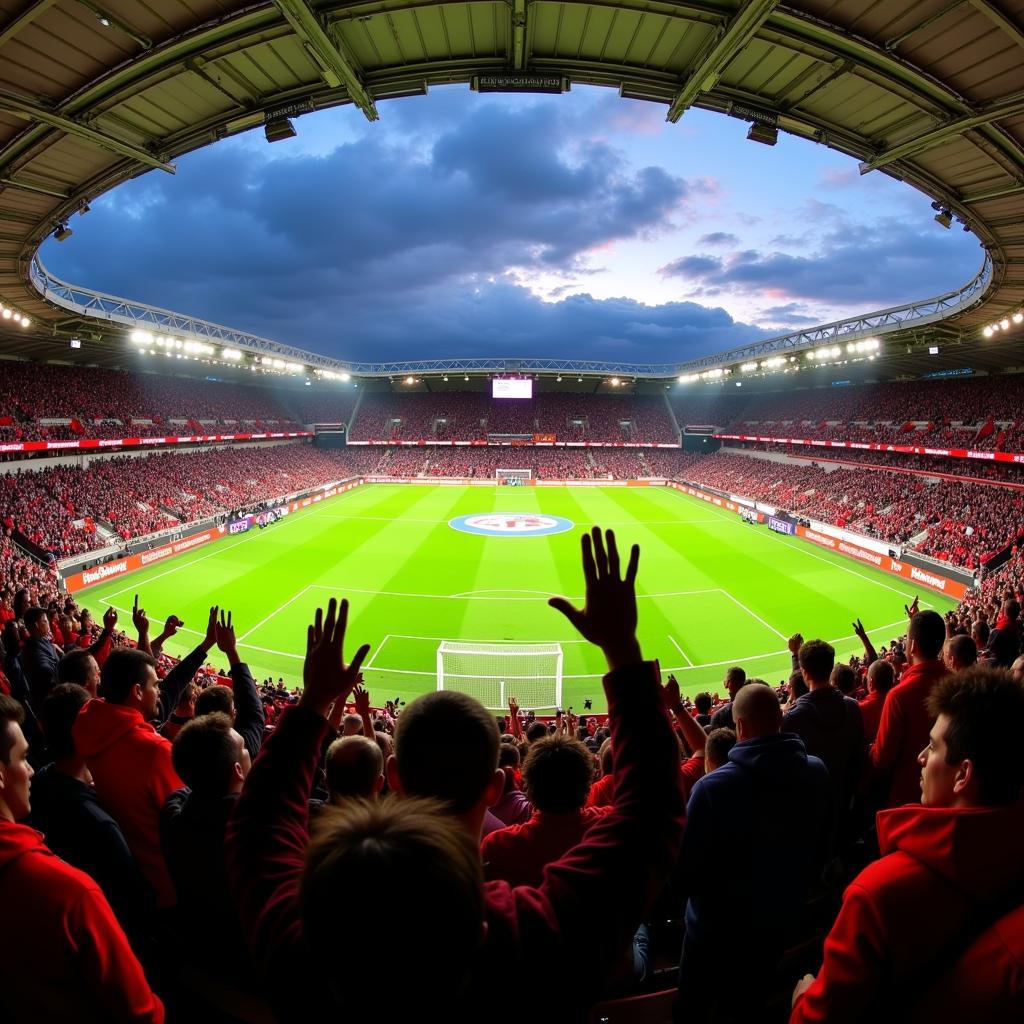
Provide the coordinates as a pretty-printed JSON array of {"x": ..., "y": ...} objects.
[{"x": 685, "y": 689}]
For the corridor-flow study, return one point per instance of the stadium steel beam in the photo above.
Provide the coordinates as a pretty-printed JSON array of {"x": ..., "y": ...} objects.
[
  {"x": 27, "y": 16},
  {"x": 1000, "y": 20},
  {"x": 337, "y": 68},
  {"x": 24, "y": 107},
  {"x": 37, "y": 187},
  {"x": 1010, "y": 107},
  {"x": 519, "y": 37},
  {"x": 704, "y": 77}
]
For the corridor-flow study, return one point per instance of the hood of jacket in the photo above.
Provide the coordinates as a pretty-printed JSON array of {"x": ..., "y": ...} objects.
[
  {"x": 19, "y": 841},
  {"x": 777, "y": 755},
  {"x": 100, "y": 725},
  {"x": 980, "y": 850}
]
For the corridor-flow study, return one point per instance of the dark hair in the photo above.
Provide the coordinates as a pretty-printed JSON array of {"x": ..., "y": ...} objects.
[
  {"x": 58, "y": 715},
  {"x": 123, "y": 669},
  {"x": 982, "y": 631},
  {"x": 536, "y": 731},
  {"x": 353, "y": 765},
  {"x": 882, "y": 676},
  {"x": 446, "y": 746},
  {"x": 32, "y": 616},
  {"x": 10, "y": 712},
  {"x": 963, "y": 649},
  {"x": 816, "y": 659},
  {"x": 74, "y": 666},
  {"x": 557, "y": 774},
  {"x": 718, "y": 745},
  {"x": 702, "y": 702},
  {"x": 215, "y": 698},
  {"x": 929, "y": 631},
  {"x": 204, "y": 754},
  {"x": 606, "y": 757},
  {"x": 985, "y": 707},
  {"x": 431, "y": 870},
  {"x": 844, "y": 679},
  {"x": 797, "y": 685},
  {"x": 508, "y": 756}
]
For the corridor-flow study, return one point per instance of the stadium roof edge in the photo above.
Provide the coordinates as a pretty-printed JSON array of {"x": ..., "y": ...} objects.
[{"x": 879, "y": 82}]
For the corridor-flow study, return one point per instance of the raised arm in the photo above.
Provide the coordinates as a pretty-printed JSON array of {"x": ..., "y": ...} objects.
[
  {"x": 249, "y": 717},
  {"x": 694, "y": 734},
  {"x": 870, "y": 654},
  {"x": 361, "y": 698},
  {"x": 172, "y": 684}
]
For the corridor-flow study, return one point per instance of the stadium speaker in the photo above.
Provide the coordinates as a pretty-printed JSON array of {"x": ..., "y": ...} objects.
[
  {"x": 767, "y": 134},
  {"x": 278, "y": 129}
]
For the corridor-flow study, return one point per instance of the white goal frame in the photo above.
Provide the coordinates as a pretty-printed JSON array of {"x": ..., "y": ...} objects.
[
  {"x": 494, "y": 688},
  {"x": 513, "y": 474}
]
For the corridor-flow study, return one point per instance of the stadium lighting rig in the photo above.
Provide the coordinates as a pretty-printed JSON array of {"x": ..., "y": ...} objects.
[
  {"x": 1007, "y": 322},
  {"x": 8, "y": 314}
]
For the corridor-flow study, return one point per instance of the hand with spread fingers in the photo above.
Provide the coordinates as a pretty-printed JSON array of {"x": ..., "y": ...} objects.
[
  {"x": 608, "y": 617},
  {"x": 325, "y": 676}
]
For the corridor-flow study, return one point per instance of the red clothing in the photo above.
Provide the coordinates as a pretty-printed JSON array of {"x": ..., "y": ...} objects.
[
  {"x": 131, "y": 768},
  {"x": 692, "y": 770},
  {"x": 602, "y": 792},
  {"x": 581, "y": 918},
  {"x": 942, "y": 872},
  {"x": 65, "y": 956},
  {"x": 903, "y": 732},
  {"x": 871, "y": 715},
  {"x": 519, "y": 854}
]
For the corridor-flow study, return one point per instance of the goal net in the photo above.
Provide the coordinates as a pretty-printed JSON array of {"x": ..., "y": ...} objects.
[
  {"x": 514, "y": 477},
  {"x": 532, "y": 673}
]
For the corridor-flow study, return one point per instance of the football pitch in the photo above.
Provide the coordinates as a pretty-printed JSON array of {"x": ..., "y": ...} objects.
[{"x": 713, "y": 591}]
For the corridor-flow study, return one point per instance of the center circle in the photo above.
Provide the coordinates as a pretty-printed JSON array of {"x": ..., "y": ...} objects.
[{"x": 511, "y": 524}]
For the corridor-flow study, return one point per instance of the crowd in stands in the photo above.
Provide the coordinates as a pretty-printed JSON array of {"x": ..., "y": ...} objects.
[
  {"x": 983, "y": 413},
  {"x": 470, "y": 416},
  {"x": 59, "y": 509},
  {"x": 829, "y": 850}
]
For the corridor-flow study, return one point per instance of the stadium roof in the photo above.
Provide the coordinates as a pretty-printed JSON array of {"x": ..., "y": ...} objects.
[{"x": 95, "y": 93}]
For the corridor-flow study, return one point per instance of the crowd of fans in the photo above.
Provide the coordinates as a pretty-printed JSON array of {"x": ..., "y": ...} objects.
[
  {"x": 850, "y": 841},
  {"x": 470, "y": 416}
]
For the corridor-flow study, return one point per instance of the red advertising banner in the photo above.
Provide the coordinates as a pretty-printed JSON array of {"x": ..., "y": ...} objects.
[
  {"x": 902, "y": 449},
  {"x": 933, "y": 579},
  {"x": 101, "y": 573},
  {"x": 93, "y": 443}
]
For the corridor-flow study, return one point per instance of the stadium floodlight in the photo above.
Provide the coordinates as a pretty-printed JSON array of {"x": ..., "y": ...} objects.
[
  {"x": 410, "y": 380},
  {"x": 25, "y": 322},
  {"x": 1005, "y": 324},
  {"x": 232, "y": 353},
  {"x": 988, "y": 332},
  {"x": 614, "y": 382},
  {"x": 346, "y": 377},
  {"x": 63, "y": 232},
  {"x": 944, "y": 217},
  {"x": 1018, "y": 318},
  {"x": 748, "y": 367},
  {"x": 766, "y": 134},
  {"x": 278, "y": 129}
]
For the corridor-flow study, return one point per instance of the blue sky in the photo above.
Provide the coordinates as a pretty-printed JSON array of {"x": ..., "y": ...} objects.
[{"x": 580, "y": 225}]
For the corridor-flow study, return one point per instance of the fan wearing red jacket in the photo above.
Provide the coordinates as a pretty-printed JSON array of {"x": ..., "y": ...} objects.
[
  {"x": 310, "y": 905},
  {"x": 952, "y": 866},
  {"x": 63, "y": 954}
]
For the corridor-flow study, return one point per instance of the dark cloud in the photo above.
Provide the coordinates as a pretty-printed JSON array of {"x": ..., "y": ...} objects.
[
  {"x": 718, "y": 238},
  {"x": 792, "y": 314},
  {"x": 862, "y": 264}
]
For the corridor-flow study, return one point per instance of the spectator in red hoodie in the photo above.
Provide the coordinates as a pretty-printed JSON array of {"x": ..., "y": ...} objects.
[
  {"x": 949, "y": 867},
  {"x": 881, "y": 679},
  {"x": 64, "y": 956},
  {"x": 903, "y": 729},
  {"x": 557, "y": 776},
  {"x": 129, "y": 760},
  {"x": 459, "y": 939}
]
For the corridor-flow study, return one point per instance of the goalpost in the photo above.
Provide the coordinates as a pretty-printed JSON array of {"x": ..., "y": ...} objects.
[
  {"x": 513, "y": 477},
  {"x": 532, "y": 673}
]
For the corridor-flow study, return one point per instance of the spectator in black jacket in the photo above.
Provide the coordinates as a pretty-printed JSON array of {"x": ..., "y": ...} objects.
[
  {"x": 735, "y": 680},
  {"x": 39, "y": 655},
  {"x": 66, "y": 809},
  {"x": 212, "y": 760}
]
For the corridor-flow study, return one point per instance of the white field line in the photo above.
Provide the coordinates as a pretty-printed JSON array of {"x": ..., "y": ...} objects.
[
  {"x": 373, "y": 654},
  {"x": 497, "y": 512},
  {"x": 467, "y": 595},
  {"x": 218, "y": 548},
  {"x": 276, "y": 611},
  {"x": 675, "y": 644},
  {"x": 803, "y": 548},
  {"x": 754, "y": 615},
  {"x": 413, "y": 636}
]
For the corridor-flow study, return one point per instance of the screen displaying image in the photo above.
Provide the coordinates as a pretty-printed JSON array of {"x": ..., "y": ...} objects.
[{"x": 512, "y": 387}]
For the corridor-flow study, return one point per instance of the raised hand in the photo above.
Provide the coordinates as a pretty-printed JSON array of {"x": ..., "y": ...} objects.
[
  {"x": 513, "y": 706},
  {"x": 670, "y": 692},
  {"x": 859, "y": 630},
  {"x": 139, "y": 618},
  {"x": 172, "y": 625},
  {"x": 361, "y": 699},
  {"x": 795, "y": 642},
  {"x": 109, "y": 619},
  {"x": 608, "y": 617},
  {"x": 325, "y": 676},
  {"x": 210, "y": 639},
  {"x": 225, "y": 634},
  {"x": 912, "y": 609}
]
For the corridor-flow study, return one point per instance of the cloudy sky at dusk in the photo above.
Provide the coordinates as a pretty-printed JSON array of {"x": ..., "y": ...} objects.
[{"x": 579, "y": 226}]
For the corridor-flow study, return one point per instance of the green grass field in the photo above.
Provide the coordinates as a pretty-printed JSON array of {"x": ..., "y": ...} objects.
[{"x": 713, "y": 590}]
